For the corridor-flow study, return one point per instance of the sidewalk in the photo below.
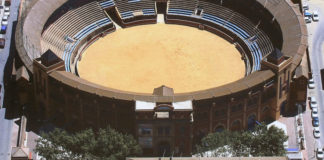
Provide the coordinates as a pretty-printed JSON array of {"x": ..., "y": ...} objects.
[
  {"x": 8, "y": 129},
  {"x": 5, "y": 138}
]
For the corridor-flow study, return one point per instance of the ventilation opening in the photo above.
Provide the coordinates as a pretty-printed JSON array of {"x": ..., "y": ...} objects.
[
  {"x": 199, "y": 11},
  {"x": 322, "y": 78}
]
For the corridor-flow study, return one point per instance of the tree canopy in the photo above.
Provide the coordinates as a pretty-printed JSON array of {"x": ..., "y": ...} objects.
[
  {"x": 261, "y": 141},
  {"x": 87, "y": 144}
]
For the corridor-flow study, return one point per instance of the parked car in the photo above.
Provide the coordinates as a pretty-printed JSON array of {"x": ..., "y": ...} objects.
[
  {"x": 312, "y": 102},
  {"x": 311, "y": 84},
  {"x": 3, "y": 29},
  {"x": 316, "y": 132},
  {"x": 6, "y": 11},
  {"x": 308, "y": 14},
  {"x": 315, "y": 109},
  {"x": 2, "y": 42},
  {"x": 308, "y": 19},
  {"x": 314, "y": 114},
  {"x": 311, "y": 80},
  {"x": 5, "y": 18},
  {"x": 305, "y": 6},
  {"x": 315, "y": 16},
  {"x": 315, "y": 122},
  {"x": 4, "y": 23},
  {"x": 1, "y": 7},
  {"x": 319, "y": 153}
]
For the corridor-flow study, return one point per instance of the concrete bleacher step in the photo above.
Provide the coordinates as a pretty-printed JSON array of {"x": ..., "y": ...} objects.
[
  {"x": 160, "y": 18},
  {"x": 115, "y": 24}
]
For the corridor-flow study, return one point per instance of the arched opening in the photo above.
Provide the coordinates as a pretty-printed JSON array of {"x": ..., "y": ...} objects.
[
  {"x": 251, "y": 121},
  {"x": 282, "y": 108},
  {"x": 219, "y": 128}
]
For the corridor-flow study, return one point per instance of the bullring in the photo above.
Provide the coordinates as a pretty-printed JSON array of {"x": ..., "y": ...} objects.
[{"x": 52, "y": 36}]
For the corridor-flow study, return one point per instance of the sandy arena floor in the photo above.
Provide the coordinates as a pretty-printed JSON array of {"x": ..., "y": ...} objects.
[{"x": 141, "y": 58}]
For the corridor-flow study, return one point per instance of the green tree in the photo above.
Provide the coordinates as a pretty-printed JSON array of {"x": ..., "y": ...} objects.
[
  {"x": 259, "y": 142},
  {"x": 87, "y": 144},
  {"x": 268, "y": 141},
  {"x": 217, "y": 142},
  {"x": 240, "y": 143}
]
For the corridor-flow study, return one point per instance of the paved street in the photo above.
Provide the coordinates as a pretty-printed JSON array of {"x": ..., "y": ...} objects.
[
  {"x": 316, "y": 39},
  {"x": 6, "y": 126}
]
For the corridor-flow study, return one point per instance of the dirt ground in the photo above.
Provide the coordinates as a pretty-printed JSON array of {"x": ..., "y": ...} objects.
[{"x": 141, "y": 58}]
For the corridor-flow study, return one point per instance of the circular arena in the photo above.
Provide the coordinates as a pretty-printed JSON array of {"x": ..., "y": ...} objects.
[
  {"x": 148, "y": 56},
  {"x": 166, "y": 71}
]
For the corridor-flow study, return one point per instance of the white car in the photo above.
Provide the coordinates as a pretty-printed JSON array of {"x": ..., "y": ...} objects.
[
  {"x": 7, "y": 9},
  {"x": 305, "y": 6},
  {"x": 315, "y": 16},
  {"x": 316, "y": 132},
  {"x": 311, "y": 84},
  {"x": 319, "y": 153},
  {"x": 314, "y": 114},
  {"x": 311, "y": 80},
  {"x": 4, "y": 23},
  {"x": 313, "y": 102},
  {"x": 5, "y": 18},
  {"x": 307, "y": 19},
  {"x": 315, "y": 110},
  {"x": 6, "y": 13}
]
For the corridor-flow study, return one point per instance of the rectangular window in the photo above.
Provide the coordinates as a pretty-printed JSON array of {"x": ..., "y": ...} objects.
[
  {"x": 145, "y": 130},
  {"x": 220, "y": 113},
  {"x": 237, "y": 108},
  {"x": 288, "y": 79},
  {"x": 145, "y": 142},
  {"x": 269, "y": 84},
  {"x": 39, "y": 76},
  {"x": 253, "y": 102},
  {"x": 182, "y": 130},
  {"x": 280, "y": 88},
  {"x": 167, "y": 131},
  {"x": 45, "y": 91},
  {"x": 160, "y": 131},
  {"x": 162, "y": 114}
]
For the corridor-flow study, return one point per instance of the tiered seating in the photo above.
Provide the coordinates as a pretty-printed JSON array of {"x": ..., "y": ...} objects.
[
  {"x": 149, "y": 11},
  {"x": 180, "y": 12},
  {"x": 70, "y": 47},
  {"x": 66, "y": 26},
  {"x": 258, "y": 42},
  {"x": 182, "y": 7},
  {"x": 132, "y": 8},
  {"x": 75, "y": 24},
  {"x": 107, "y": 4},
  {"x": 128, "y": 14},
  {"x": 240, "y": 33},
  {"x": 242, "y": 27},
  {"x": 85, "y": 31},
  {"x": 63, "y": 9}
]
